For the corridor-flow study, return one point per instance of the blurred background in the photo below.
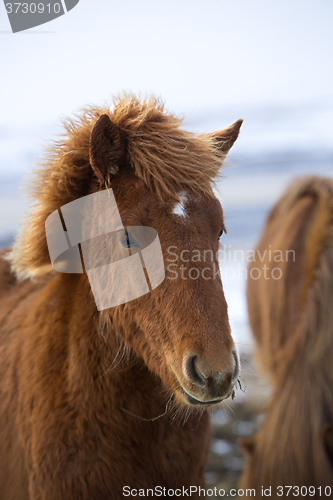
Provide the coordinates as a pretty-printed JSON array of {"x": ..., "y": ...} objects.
[{"x": 212, "y": 62}]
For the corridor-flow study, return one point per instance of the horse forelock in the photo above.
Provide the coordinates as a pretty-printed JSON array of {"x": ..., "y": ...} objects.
[{"x": 166, "y": 157}]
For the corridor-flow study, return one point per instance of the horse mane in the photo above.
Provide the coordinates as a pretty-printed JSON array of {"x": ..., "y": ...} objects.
[
  {"x": 321, "y": 225},
  {"x": 301, "y": 406},
  {"x": 163, "y": 155},
  {"x": 309, "y": 185},
  {"x": 300, "y": 222}
]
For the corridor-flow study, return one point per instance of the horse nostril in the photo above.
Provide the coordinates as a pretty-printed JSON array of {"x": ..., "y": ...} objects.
[
  {"x": 236, "y": 365},
  {"x": 191, "y": 371}
]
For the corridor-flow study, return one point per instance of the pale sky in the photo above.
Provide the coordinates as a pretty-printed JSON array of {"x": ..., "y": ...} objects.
[{"x": 197, "y": 55}]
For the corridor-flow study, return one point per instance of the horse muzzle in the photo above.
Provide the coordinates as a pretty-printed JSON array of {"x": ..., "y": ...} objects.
[{"x": 200, "y": 386}]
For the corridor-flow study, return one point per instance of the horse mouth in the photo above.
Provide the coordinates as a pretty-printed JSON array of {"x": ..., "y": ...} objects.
[{"x": 196, "y": 402}]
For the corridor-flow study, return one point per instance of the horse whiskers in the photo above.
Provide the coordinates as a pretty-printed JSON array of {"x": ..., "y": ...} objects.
[
  {"x": 178, "y": 414},
  {"x": 184, "y": 415},
  {"x": 175, "y": 414},
  {"x": 104, "y": 326},
  {"x": 183, "y": 412},
  {"x": 105, "y": 329},
  {"x": 201, "y": 413},
  {"x": 167, "y": 409},
  {"x": 123, "y": 354},
  {"x": 229, "y": 407},
  {"x": 248, "y": 370}
]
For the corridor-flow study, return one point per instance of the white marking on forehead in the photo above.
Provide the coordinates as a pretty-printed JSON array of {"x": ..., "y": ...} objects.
[{"x": 180, "y": 208}]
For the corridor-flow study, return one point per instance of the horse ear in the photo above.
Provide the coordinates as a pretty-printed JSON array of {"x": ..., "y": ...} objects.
[
  {"x": 328, "y": 440},
  {"x": 107, "y": 148},
  {"x": 225, "y": 138},
  {"x": 247, "y": 446}
]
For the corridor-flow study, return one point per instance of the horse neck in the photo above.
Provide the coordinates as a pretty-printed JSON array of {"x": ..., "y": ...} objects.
[{"x": 100, "y": 366}]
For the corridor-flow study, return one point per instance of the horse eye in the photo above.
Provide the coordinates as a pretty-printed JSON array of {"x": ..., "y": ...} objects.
[
  {"x": 223, "y": 230},
  {"x": 128, "y": 241}
]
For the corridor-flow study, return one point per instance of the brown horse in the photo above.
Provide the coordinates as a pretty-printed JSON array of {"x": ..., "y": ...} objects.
[
  {"x": 291, "y": 315},
  {"x": 80, "y": 389}
]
